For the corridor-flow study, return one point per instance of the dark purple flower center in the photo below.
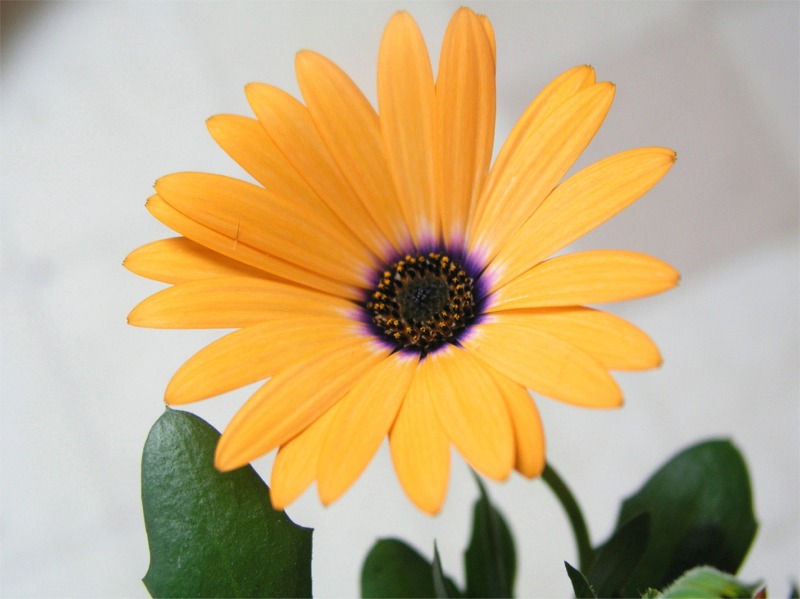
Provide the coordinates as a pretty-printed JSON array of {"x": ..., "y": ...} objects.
[{"x": 422, "y": 301}]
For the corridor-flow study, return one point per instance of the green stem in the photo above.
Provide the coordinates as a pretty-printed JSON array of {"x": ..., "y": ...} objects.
[{"x": 573, "y": 510}]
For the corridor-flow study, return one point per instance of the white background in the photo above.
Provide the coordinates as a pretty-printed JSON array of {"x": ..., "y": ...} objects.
[{"x": 100, "y": 99}]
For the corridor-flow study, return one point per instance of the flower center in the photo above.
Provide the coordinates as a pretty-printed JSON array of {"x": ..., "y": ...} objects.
[{"x": 422, "y": 302}]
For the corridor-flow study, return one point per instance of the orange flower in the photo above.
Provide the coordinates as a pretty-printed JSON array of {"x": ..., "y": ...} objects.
[{"x": 388, "y": 280}]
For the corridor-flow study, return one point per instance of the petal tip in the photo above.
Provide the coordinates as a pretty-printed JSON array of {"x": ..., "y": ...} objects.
[
  {"x": 160, "y": 186},
  {"x": 306, "y": 56},
  {"x": 326, "y": 495},
  {"x": 587, "y": 71},
  {"x": 213, "y": 122},
  {"x": 430, "y": 509},
  {"x": 402, "y": 18},
  {"x": 672, "y": 276},
  {"x": 611, "y": 401},
  {"x": 253, "y": 88},
  {"x": 530, "y": 471},
  {"x": 463, "y": 12},
  {"x": 172, "y": 395},
  {"x": 224, "y": 461},
  {"x": 430, "y": 504},
  {"x": 277, "y": 503},
  {"x": 134, "y": 318},
  {"x": 300, "y": 57}
]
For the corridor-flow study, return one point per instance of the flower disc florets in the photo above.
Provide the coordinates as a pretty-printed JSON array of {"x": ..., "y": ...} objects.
[{"x": 422, "y": 301}]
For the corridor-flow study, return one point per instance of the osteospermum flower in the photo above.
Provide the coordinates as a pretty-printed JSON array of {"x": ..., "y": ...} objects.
[{"x": 387, "y": 279}]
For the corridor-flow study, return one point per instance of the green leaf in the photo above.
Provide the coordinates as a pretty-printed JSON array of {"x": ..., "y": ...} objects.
[
  {"x": 616, "y": 559},
  {"x": 580, "y": 586},
  {"x": 709, "y": 583},
  {"x": 394, "y": 569},
  {"x": 213, "y": 534},
  {"x": 443, "y": 586},
  {"x": 701, "y": 513},
  {"x": 491, "y": 561},
  {"x": 438, "y": 576}
]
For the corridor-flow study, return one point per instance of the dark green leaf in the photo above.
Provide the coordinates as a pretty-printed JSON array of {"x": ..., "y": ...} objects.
[
  {"x": 393, "y": 569},
  {"x": 580, "y": 586},
  {"x": 616, "y": 559},
  {"x": 701, "y": 513},
  {"x": 213, "y": 534},
  {"x": 439, "y": 586},
  {"x": 794, "y": 593},
  {"x": 708, "y": 583},
  {"x": 491, "y": 561},
  {"x": 443, "y": 586}
]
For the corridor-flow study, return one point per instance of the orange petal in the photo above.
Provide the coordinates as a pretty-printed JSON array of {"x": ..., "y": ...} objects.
[
  {"x": 363, "y": 420},
  {"x": 543, "y": 363},
  {"x": 297, "y": 462},
  {"x": 257, "y": 352},
  {"x": 350, "y": 128},
  {"x": 544, "y": 155},
  {"x": 489, "y": 30},
  {"x": 465, "y": 115},
  {"x": 528, "y": 430},
  {"x": 179, "y": 260},
  {"x": 257, "y": 218},
  {"x": 613, "y": 342},
  {"x": 230, "y": 302},
  {"x": 553, "y": 95},
  {"x": 245, "y": 140},
  {"x": 471, "y": 410},
  {"x": 406, "y": 101},
  {"x": 579, "y": 204},
  {"x": 420, "y": 449},
  {"x": 592, "y": 277},
  {"x": 289, "y": 125},
  {"x": 226, "y": 245},
  {"x": 289, "y": 402}
]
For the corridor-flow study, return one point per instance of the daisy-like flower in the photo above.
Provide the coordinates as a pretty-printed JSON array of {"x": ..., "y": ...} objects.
[{"x": 385, "y": 278}]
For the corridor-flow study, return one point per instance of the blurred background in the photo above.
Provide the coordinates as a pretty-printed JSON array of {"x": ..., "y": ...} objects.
[{"x": 99, "y": 99}]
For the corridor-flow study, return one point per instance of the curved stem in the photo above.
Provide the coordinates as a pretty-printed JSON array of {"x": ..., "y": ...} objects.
[{"x": 573, "y": 510}]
